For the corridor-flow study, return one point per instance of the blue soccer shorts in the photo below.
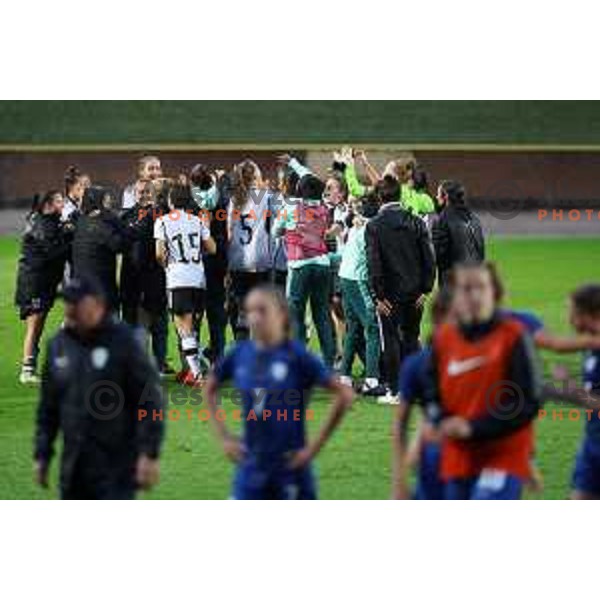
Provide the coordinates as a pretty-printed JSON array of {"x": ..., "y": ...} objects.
[
  {"x": 586, "y": 475},
  {"x": 252, "y": 482},
  {"x": 490, "y": 484}
]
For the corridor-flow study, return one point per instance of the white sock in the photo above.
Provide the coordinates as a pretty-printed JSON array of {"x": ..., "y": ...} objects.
[{"x": 189, "y": 345}]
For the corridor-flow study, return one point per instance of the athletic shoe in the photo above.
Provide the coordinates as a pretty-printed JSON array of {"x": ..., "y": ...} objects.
[
  {"x": 191, "y": 381},
  {"x": 375, "y": 391},
  {"x": 28, "y": 378},
  {"x": 389, "y": 398},
  {"x": 181, "y": 375}
]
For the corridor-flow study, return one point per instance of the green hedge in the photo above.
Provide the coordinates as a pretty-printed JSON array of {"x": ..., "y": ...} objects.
[{"x": 410, "y": 122}]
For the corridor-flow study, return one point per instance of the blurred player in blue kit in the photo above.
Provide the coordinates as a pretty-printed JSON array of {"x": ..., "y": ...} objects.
[
  {"x": 585, "y": 318},
  {"x": 274, "y": 377},
  {"x": 413, "y": 390}
]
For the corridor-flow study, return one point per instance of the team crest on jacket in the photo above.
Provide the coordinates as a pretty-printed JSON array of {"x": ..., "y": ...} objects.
[
  {"x": 99, "y": 357},
  {"x": 61, "y": 361},
  {"x": 590, "y": 364},
  {"x": 279, "y": 371}
]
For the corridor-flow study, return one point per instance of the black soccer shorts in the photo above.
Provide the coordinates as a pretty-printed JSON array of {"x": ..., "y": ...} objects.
[{"x": 185, "y": 301}]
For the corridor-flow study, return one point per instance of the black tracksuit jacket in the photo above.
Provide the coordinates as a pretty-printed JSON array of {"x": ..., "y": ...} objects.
[{"x": 92, "y": 389}]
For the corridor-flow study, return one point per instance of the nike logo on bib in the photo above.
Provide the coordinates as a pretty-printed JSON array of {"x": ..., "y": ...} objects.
[{"x": 458, "y": 367}]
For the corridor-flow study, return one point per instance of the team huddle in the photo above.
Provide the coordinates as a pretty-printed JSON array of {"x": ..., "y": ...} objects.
[{"x": 365, "y": 250}]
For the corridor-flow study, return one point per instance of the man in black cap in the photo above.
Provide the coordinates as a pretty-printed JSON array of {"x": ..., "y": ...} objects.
[{"x": 96, "y": 383}]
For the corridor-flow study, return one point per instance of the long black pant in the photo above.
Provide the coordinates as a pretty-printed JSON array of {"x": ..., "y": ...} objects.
[
  {"x": 93, "y": 486},
  {"x": 215, "y": 309},
  {"x": 159, "y": 330},
  {"x": 399, "y": 338}
]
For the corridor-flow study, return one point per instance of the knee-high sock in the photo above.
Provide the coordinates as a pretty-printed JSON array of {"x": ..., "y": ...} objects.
[{"x": 189, "y": 346}]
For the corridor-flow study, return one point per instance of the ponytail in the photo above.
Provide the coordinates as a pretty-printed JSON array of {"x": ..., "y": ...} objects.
[
  {"x": 245, "y": 175},
  {"x": 72, "y": 175}
]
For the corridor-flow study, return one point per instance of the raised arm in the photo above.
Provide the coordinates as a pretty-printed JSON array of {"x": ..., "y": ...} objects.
[{"x": 372, "y": 173}]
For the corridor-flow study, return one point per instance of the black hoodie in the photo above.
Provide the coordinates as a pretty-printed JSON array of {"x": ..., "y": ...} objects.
[{"x": 400, "y": 255}]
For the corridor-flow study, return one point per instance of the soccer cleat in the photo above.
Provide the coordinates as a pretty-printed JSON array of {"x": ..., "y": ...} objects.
[
  {"x": 28, "y": 377},
  {"x": 191, "y": 381},
  {"x": 181, "y": 375}
]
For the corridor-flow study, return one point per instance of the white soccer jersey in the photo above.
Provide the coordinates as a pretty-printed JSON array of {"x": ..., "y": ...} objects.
[
  {"x": 250, "y": 245},
  {"x": 183, "y": 237},
  {"x": 68, "y": 209}
]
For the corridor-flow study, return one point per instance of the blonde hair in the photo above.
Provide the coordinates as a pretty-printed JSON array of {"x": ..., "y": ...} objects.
[
  {"x": 143, "y": 162},
  {"x": 245, "y": 175},
  {"x": 405, "y": 166}
]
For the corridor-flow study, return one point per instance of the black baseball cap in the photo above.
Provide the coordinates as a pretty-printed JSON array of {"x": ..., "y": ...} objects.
[{"x": 78, "y": 288}]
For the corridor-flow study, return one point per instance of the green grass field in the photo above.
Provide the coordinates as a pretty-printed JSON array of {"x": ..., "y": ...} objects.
[{"x": 356, "y": 464}]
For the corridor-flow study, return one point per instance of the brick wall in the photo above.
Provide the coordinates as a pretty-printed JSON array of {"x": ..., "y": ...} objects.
[{"x": 536, "y": 178}]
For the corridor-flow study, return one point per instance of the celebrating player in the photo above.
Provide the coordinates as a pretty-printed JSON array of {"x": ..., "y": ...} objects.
[
  {"x": 41, "y": 266},
  {"x": 100, "y": 236},
  {"x": 304, "y": 223},
  {"x": 359, "y": 309},
  {"x": 75, "y": 187},
  {"x": 148, "y": 169},
  {"x": 181, "y": 238},
  {"x": 404, "y": 170},
  {"x": 250, "y": 245},
  {"x": 142, "y": 279},
  {"x": 211, "y": 194},
  {"x": 274, "y": 376}
]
